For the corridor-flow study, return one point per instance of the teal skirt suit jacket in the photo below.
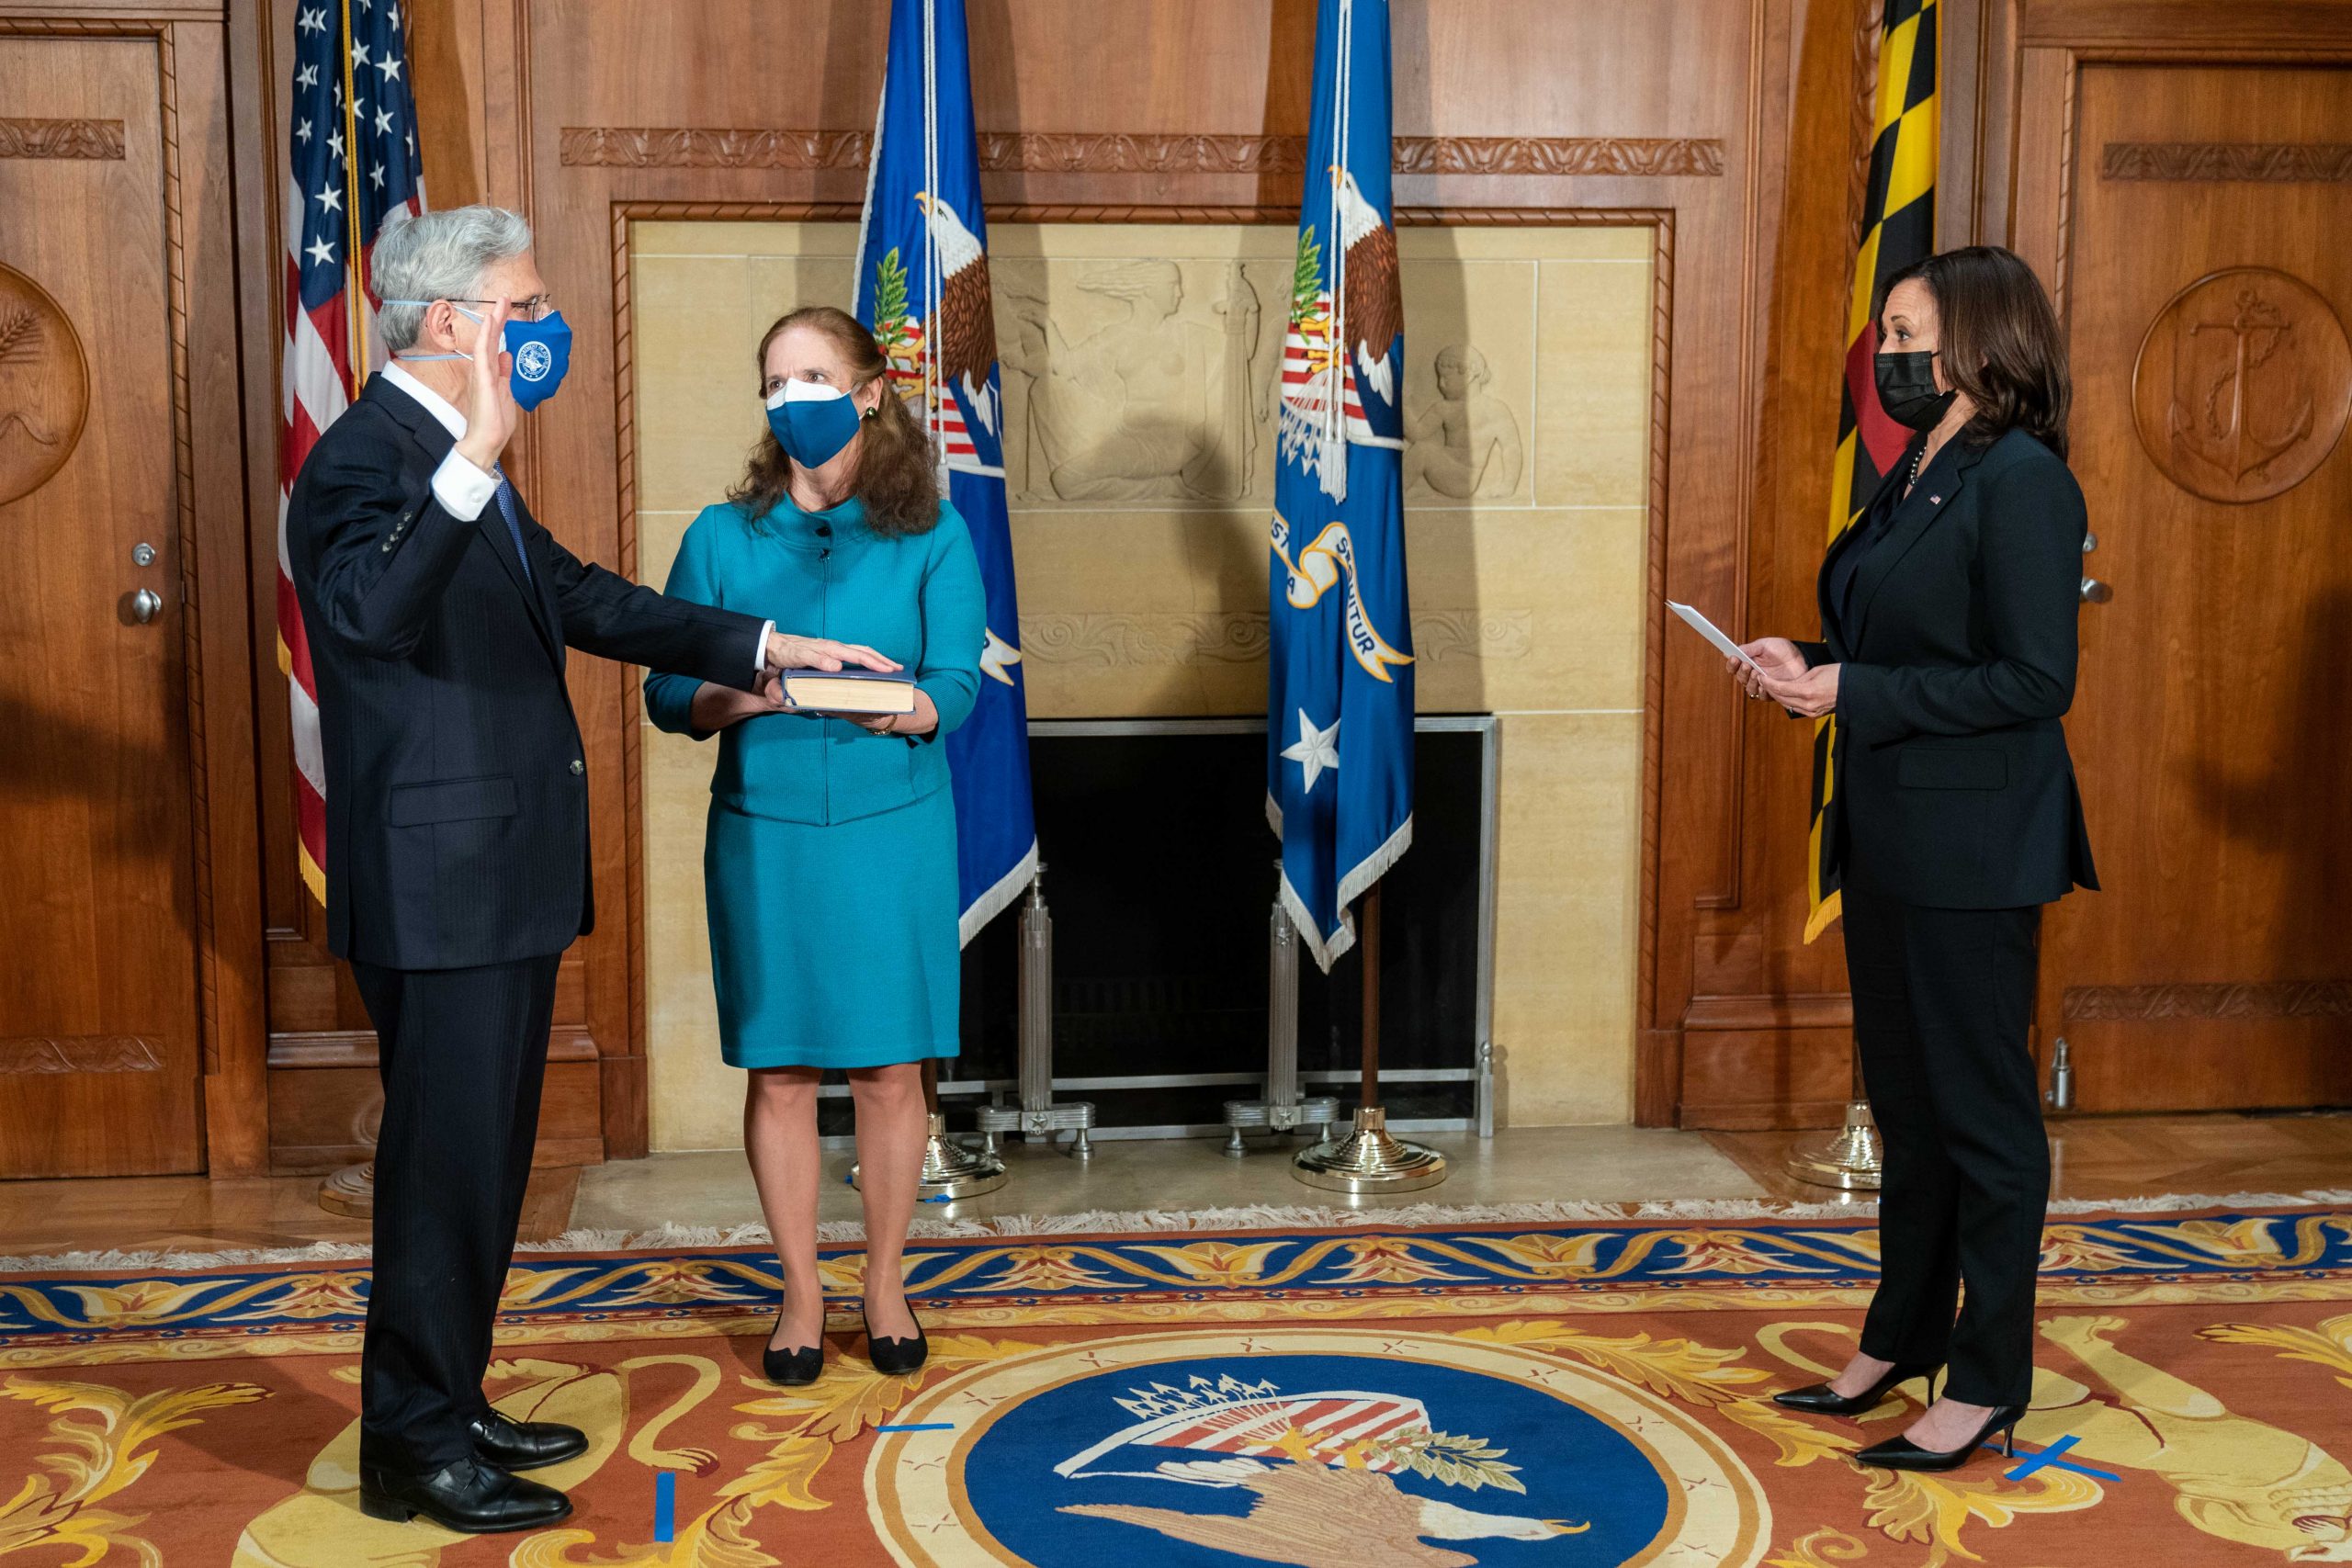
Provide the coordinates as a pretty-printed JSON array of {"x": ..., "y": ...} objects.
[{"x": 829, "y": 862}]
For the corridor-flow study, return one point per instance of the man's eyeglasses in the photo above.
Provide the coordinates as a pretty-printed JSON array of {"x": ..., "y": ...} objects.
[{"x": 538, "y": 308}]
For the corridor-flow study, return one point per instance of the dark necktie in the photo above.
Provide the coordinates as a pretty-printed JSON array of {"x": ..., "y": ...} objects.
[{"x": 514, "y": 523}]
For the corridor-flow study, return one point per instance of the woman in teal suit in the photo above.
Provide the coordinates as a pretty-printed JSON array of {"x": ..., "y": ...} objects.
[{"x": 829, "y": 862}]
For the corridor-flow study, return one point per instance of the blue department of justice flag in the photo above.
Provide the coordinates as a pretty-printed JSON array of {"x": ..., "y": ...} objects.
[
  {"x": 1339, "y": 690},
  {"x": 922, "y": 287}
]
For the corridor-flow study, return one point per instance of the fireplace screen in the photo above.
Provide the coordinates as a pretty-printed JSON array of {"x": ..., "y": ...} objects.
[{"x": 1161, "y": 878}]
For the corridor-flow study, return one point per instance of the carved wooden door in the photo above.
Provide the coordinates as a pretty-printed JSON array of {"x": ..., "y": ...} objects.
[
  {"x": 99, "y": 1052},
  {"x": 2207, "y": 286}
]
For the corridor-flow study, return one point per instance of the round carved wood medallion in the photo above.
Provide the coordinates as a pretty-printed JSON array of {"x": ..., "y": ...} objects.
[
  {"x": 2242, "y": 385},
  {"x": 44, "y": 386}
]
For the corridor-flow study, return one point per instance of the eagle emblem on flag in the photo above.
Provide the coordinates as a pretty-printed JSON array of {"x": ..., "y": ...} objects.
[{"x": 922, "y": 283}]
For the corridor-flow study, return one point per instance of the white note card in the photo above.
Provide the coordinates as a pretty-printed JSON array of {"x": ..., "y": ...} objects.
[{"x": 1708, "y": 629}]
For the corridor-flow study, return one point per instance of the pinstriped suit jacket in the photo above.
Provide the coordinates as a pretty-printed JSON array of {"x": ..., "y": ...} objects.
[{"x": 457, "y": 787}]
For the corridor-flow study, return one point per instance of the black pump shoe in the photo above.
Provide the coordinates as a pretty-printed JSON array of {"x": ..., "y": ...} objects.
[
  {"x": 1902, "y": 1453},
  {"x": 796, "y": 1368},
  {"x": 793, "y": 1368},
  {"x": 471, "y": 1496},
  {"x": 523, "y": 1445},
  {"x": 897, "y": 1357},
  {"x": 1820, "y": 1399}
]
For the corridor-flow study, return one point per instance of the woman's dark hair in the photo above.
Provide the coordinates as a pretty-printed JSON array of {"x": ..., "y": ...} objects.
[
  {"x": 894, "y": 478},
  {"x": 1999, "y": 342}
]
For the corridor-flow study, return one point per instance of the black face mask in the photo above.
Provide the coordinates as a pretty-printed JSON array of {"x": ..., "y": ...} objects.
[{"x": 1906, "y": 388}]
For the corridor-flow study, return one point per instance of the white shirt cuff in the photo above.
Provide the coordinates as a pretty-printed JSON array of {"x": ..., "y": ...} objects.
[
  {"x": 759, "y": 659},
  {"x": 461, "y": 489}
]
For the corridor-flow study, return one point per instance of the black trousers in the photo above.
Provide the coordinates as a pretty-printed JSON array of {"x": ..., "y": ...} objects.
[
  {"x": 461, "y": 1053},
  {"x": 1943, "y": 1000}
]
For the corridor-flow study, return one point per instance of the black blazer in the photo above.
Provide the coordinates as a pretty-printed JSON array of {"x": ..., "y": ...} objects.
[
  {"x": 457, "y": 795},
  {"x": 1950, "y": 772}
]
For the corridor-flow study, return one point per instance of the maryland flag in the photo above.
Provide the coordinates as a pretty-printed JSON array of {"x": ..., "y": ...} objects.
[{"x": 1898, "y": 228}]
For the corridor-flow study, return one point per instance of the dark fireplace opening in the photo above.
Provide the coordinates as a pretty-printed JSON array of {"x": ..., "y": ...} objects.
[{"x": 1160, "y": 879}]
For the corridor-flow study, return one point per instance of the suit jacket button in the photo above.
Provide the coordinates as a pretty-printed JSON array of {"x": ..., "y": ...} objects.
[{"x": 578, "y": 766}]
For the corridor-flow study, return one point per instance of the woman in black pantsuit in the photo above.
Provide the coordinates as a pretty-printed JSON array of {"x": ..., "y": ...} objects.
[{"x": 1947, "y": 656}]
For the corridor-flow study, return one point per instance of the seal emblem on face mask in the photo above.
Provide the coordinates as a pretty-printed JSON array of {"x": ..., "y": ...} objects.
[{"x": 534, "y": 362}]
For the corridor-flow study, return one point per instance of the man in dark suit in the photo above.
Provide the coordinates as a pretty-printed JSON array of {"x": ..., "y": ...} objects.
[{"x": 438, "y": 612}]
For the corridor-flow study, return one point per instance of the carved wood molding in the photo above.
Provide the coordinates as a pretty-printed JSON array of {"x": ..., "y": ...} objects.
[
  {"x": 1639, "y": 157},
  {"x": 93, "y": 141},
  {"x": 208, "y": 968},
  {"x": 1868, "y": 18},
  {"x": 1769, "y": 1011},
  {"x": 2277, "y": 163},
  {"x": 2229, "y": 999},
  {"x": 1120, "y": 153},
  {"x": 79, "y": 1053},
  {"x": 356, "y": 1048}
]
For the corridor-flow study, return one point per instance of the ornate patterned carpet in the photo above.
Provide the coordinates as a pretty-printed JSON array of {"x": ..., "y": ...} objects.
[{"x": 1552, "y": 1395}]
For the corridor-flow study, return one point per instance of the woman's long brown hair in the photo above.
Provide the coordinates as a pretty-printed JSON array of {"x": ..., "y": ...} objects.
[
  {"x": 1999, "y": 341},
  {"x": 894, "y": 475}
]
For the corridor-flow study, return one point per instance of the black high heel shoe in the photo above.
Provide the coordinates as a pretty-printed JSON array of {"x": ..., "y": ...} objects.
[
  {"x": 1820, "y": 1399},
  {"x": 793, "y": 1368},
  {"x": 1902, "y": 1453},
  {"x": 896, "y": 1357}
]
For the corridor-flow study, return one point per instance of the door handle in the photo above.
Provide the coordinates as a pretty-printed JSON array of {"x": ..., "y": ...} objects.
[
  {"x": 143, "y": 605},
  {"x": 2095, "y": 592}
]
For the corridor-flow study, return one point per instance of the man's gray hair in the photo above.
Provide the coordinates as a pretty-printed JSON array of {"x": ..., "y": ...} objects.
[{"x": 439, "y": 255}]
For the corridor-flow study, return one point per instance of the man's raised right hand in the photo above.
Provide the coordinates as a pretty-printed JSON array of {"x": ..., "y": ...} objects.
[{"x": 489, "y": 396}]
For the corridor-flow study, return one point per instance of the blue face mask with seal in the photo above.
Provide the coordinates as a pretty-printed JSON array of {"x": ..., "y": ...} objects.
[
  {"x": 542, "y": 352},
  {"x": 812, "y": 422}
]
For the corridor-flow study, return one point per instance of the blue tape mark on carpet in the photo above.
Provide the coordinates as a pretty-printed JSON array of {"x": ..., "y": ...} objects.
[
  {"x": 665, "y": 1505},
  {"x": 919, "y": 1427},
  {"x": 2049, "y": 1459}
]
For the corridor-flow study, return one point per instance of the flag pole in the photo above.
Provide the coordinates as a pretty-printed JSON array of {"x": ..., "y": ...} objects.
[
  {"x": 355, "y": 255},
  {"x": 1370, "y": 1158},
  {"x": 351, "y": 1192}
]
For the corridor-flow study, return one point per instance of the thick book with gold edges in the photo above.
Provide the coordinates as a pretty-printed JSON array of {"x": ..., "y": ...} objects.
[{"x": 848, "y": 691}]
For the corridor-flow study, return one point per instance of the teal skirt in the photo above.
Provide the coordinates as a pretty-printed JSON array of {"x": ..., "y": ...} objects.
[{"x": 834, "y": 946}]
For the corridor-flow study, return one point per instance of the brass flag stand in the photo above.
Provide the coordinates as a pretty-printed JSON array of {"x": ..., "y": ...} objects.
[
  {"x": 1370, "y": 1160},
  {"x": 950, "y": 1171},
  {"x": 1849, "y": 1158}
]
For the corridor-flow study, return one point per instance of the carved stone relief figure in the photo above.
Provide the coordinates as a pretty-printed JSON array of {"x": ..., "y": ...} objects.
[
  {"x": 1162, "y": 402},
  {"x": 1465, "y": 444}
]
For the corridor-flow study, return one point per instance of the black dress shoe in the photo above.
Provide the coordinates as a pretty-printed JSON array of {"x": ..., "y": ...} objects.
[
  {"x": 897, "y": 1356},
  {"x": 523, "y": 1445},
  {"x": 471, "y": 1496},
  {"x": 1902, "y": 1453},
  {"x": 796, "y": 1368},
  {"x": 1822, "y": 1400}
]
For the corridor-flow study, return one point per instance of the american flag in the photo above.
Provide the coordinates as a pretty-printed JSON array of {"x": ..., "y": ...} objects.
[{"x": 352, "y": 162}]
